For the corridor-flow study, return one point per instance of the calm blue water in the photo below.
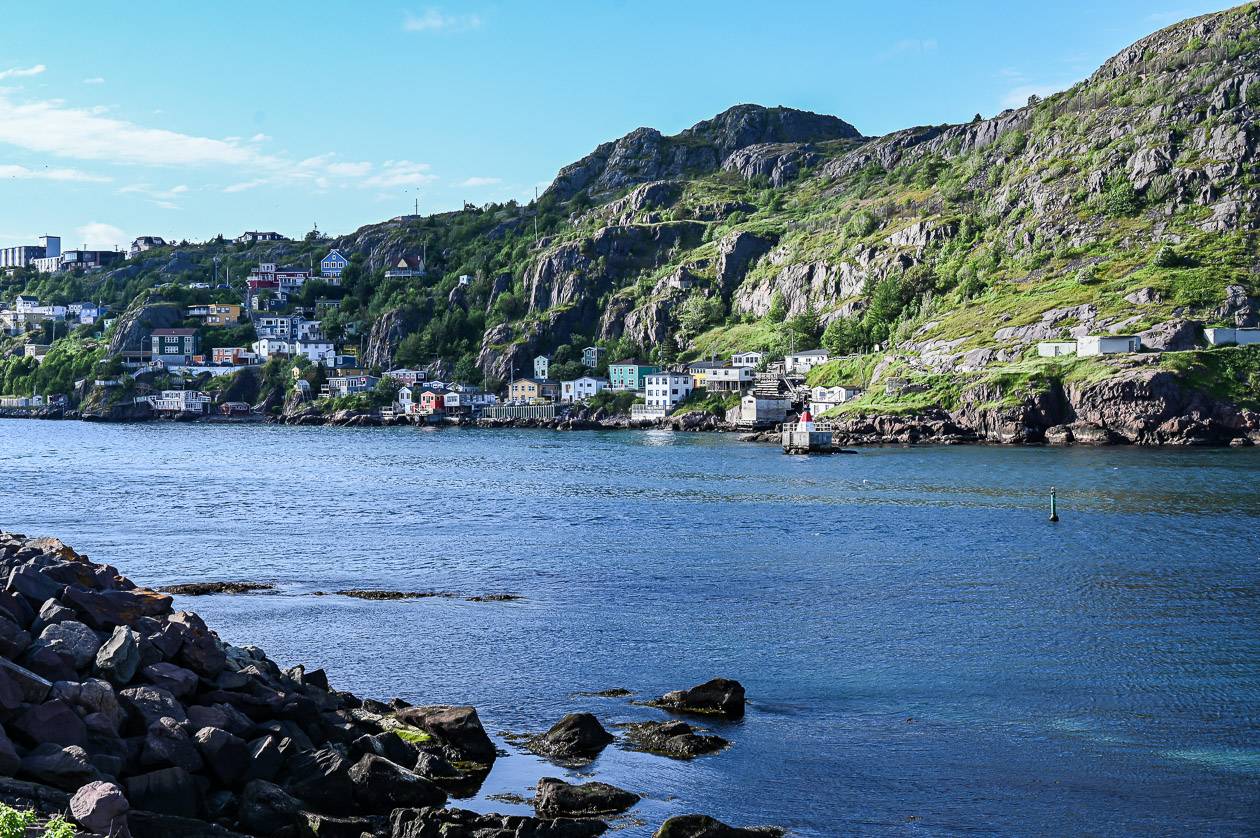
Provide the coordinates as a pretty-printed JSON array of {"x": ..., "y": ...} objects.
[{"x": 924, "y": 653}]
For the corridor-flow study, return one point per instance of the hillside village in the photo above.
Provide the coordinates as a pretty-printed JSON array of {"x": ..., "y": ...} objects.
[{"x": 1082, "y": 268}]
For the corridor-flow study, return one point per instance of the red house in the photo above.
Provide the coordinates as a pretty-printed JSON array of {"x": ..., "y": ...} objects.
[{"x": 432, "y": 401}]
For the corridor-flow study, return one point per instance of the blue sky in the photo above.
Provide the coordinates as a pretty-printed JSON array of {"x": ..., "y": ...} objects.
[{"x": 186, "y": 120}]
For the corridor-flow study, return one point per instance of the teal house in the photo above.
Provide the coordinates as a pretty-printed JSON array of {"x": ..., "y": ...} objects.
[{"x": 629, "y": 374}]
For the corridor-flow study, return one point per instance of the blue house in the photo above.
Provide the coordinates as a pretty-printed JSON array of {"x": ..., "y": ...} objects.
[{"x": 333, "y": 264}]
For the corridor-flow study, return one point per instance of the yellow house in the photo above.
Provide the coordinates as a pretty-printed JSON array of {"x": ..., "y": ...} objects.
[
  {"x": 223, "y": 314},
  {"x": 533, "y": 390}
]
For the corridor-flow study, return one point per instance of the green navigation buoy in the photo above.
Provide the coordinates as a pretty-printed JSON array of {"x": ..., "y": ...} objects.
[{"x": 1054, "y": 511}]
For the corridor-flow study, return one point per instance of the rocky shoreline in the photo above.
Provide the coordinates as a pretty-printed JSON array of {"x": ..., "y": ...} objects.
[
  {"x": 133, "y": 719},
  {"x": 1152, "y": 421}
]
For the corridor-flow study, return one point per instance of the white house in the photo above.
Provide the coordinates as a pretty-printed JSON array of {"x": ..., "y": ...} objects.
[
  {"x": 800, "y": 363},
  {"x": 667, "y": 389},
  {"x": 407, "y": 376},
  {"x": 542, "y": 365},
  {"x": 726, "y": 379},
  {"x": 581, "y": 389},
  {"x": 180, "y": 401},
  {"x": 467, "y": 399},
  {"x": 1056, "y": 348},
  {"x": 1108, "y": 344},
  {"x": 1244, "y": 336},
  {"x": 747, "y": 359},
  {"x": 822, "y": 398},
  {"x": 142, "y": 243},
  {"x": 758, "y": 411},
  {"x": 333, "y": 264},
  {"x": 340, "y": 386}
]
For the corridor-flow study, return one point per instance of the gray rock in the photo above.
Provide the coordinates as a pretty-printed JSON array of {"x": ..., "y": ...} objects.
[
  {"x": 267, "y": 755},
  {"x": 32, "y": 583},
  {"x": 72, "y": 640},
  {"x": 118, "y": 658},
  {"x": 558, "y": 799},
  {"x": 267, "y": 808},
  {"x": 322, "y": 779},
  {"x": 53, "y": 721},
  {"x": 10, "y": 762},
  {"x": 98, "y": 805},
  {"x": 720, "y": 696},
  {"x": 166, "y": 743},
  {"x": 176, "y": 680},
  {"x": 14, "y": 639},
  {"x": 458, "y": 729},
  {"x": 61, "y": 767},
  {"x": 34, "y": 688},
  {"x": 226, "y": 756},
  {"x": 703, "y": 826},
  {"x": 675, "y": 739},
  {"x": 167, "y": 791},
  {"x": 576, "y": 736},
  {"x": 389, "y": 745},
  {"x": 382, "y": 786},
  {"x": 151, "y": 704}
]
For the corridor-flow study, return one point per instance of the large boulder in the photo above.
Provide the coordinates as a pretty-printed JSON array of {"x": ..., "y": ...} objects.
[
  {"x": 119, "y": 657},
  {"x": 61, "y": 767},
  {"x": 53, "y": 721},
  {"x": 168, "y": 791},
  {"x": 461, "y": 823},
  {"x": 558, "y": 799},
  {"x": 267, "y": 808},
  {"x": 167, "y": 743},
  {"x": 105, "y": 609},
  {"x": 267, "y": 755},
  {"x": 10, "y": 762},
  {"x": 72, "y": 640},
  {"x": 720, "y": 697},
  {"x": 578, "y": 736},
  {"x": 458, "y": 729},
  {"x": 152, "y": 703},
  {"x": 98, "y": 806},
  {"x": 175, "y": 679},
  {"x": 389, "y": 745},
  {"x": 381, "y": 786},
  {"x": 226, "y": 756},
  {"x": 201, "y": 651},
  {"x": 322, "y": 780},
  {"x": 703, "y": 826},
  {"x": 675, "y": 739},
  {"x": 14, "y": 639}
]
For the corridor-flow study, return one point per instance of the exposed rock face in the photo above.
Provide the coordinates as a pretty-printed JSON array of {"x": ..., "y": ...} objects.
[
  {"x": 131, "y": 332},
  {"x": 736, "y": 253},
  {"x": 779, "y": 163},
  {"x": 387, "y": 332},
  {"x": 645, "y": 155}
]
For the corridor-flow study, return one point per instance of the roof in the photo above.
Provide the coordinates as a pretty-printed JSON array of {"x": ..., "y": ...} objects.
[
  {"x": 629, "y": 362},
  {"x": 175, "y": 332},
  {"x": 810, "y": 352},
  {"x": 337, "y": 253},
  {"x": 706, "y": 365},
  {"x": 750, "y": 352}
]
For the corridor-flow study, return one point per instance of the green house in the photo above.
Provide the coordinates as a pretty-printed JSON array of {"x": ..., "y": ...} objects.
[{"x": 629, "y": 374}]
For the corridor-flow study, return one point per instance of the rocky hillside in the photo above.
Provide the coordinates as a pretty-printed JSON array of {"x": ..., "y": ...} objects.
[{"x": 936, "y": 255}]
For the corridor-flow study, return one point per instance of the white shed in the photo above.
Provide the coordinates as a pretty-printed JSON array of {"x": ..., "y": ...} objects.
[
  {"x": 1108, "y": 344},
  {"x": 1055, "y": 348}
]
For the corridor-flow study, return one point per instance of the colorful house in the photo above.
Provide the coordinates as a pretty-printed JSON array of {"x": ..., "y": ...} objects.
[
  {"x": 533, "y": 389},
  {"x": 629, "y": 374},
  {"x": 173, "y": 346},
  {"x": 542, "y": 366},
  {"x": 333, "y": 264}
]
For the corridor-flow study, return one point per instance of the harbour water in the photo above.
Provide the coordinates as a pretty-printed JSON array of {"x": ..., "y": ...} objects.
[{"x": 924, "y": 653}]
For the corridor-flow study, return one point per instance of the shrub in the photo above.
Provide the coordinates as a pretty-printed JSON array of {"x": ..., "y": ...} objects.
[
  {"x": 1119, "y": 197},
  {"x": 13, "y": 823},
  {"x": 1087, "y": 275},
  {"x": 1253, "y": 95},
  {"x": 1165, "y": 257}
]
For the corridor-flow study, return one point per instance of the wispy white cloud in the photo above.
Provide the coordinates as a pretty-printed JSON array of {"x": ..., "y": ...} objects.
[
  {"x": 94, "y": 80},
  {"x": 909, "y": 47},
  {"x": 99, "y": 235},
  {"x": 397, "y": 173},
  {"x": 480, "y": 181},
  {"x": 436, "y": 20},
  {"x": 22, "y": 72},
  {"x": 164, "y": 198},
  {"x": 52, "y": 127},
  {"x": 16, "y": 172}
]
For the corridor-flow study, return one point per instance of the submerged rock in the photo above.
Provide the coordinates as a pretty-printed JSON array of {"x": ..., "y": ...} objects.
[
  {"x": 206, "y": 588},
  {"x": 675, "y": 739},
  {"x": 703, "y": 826},
  {"x": 720, "y": 697},
  {"x": 556, "y": 798},
  {"x": 578, "y": 736}
]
